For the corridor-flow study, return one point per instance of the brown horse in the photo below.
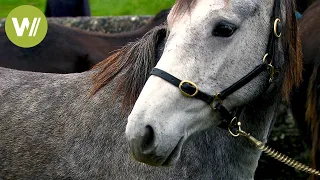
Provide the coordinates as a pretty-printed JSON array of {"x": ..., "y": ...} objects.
[
  {"x": 305, "y": 100},
  {"x": 69, "y": 50},
  {"x": 302, "y": 5}
]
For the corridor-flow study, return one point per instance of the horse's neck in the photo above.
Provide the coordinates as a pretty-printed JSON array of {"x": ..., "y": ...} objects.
[{"x": 229, "y": 157}]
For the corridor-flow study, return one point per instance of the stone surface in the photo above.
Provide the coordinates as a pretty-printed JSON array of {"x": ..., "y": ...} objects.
[
  {"x": 285, "y": 136},
  {"x": 101, "y": 24}
]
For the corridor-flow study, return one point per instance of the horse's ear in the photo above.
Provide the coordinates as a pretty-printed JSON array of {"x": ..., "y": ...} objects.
[
  {"x": 162, "y": 14},
  {"x": 159, "y": 46}
]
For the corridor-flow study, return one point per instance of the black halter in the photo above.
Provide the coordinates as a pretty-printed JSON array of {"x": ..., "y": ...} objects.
[{"x": 190, "y": 89}]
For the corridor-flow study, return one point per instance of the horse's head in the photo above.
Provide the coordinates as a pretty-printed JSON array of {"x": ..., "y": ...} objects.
[{"x": 213, "y": 44}]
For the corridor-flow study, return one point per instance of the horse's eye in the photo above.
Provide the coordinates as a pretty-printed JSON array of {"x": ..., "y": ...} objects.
[{"x": 224, "y": 29}]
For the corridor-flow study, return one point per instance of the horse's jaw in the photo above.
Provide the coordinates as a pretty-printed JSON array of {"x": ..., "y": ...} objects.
[{"x": 222, "y": 156}]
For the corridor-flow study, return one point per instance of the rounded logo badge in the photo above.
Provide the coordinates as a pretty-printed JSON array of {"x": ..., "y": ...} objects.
[{"x": 26, "y": 26}]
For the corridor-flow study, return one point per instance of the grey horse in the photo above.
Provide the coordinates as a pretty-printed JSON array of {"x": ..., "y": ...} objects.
[{"x": 72, "y": 126}]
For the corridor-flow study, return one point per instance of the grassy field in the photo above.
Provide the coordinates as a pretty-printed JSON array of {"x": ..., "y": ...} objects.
[{"x": 99, "y": 7}]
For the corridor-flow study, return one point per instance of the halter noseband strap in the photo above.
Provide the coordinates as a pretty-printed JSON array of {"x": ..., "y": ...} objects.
[
  {"x": 187, "y": 88},
  {"x": 190, "y": 89}
]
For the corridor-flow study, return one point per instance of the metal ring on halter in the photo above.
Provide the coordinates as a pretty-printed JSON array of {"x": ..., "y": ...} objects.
[
  {"x": 217, "y": 98},
  {"x": 186, "y": 94},
  {"x": 275, "y": 28},
  {"x": 215, "y": 101},
  {"x": 232, "y": 124},
  {"x": 271, "y": 71},
  {"x": 265, "y": 57}
]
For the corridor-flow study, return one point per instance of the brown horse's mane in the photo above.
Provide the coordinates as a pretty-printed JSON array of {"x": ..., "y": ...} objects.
[
  {"x": 136, "y": 59},
  {"x": 292, "y": 51}
]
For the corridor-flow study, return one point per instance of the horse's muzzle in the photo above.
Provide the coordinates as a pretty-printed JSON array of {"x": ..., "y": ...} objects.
[{"x": 143, "y": 149}]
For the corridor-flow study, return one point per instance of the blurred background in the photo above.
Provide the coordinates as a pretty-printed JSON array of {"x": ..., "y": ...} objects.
[{"x": 99, "y": 7}]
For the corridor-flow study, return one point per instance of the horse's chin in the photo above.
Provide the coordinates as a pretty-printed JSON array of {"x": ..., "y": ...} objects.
[
  {"x": 151, "y": 158},
  {"x": 174, "y": 155}
]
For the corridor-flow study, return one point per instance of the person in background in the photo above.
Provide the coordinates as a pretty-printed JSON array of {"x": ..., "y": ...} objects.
[{"x": 67, "y": 8}]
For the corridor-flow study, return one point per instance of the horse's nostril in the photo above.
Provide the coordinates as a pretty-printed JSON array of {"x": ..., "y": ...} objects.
[{"x": 148, "y": 137}]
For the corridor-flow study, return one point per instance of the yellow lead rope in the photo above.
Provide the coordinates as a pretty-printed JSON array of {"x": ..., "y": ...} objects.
[{"x": 276, "y": 155}]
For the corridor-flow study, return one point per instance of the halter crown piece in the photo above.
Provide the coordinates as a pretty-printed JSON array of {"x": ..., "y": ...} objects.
[{"x": 229, "y": 122}]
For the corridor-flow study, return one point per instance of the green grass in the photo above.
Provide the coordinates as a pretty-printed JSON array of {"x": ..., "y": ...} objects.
[
  {"x": 99, "y": 7},
  {"x": 7, "y": 5}
]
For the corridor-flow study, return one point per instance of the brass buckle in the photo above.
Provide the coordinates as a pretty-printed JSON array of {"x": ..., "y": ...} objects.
[
  {"x": 186, "y": 94},
  {"x": 275, "y": 28}
]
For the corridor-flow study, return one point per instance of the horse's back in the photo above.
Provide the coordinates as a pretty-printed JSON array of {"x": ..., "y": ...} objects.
[
  {"x": 63, "y": 50},
  {"x": 56, "y": 53}
]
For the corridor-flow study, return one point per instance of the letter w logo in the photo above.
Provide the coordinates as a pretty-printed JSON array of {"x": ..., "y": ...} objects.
[{"x": 25, "y": 25}]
